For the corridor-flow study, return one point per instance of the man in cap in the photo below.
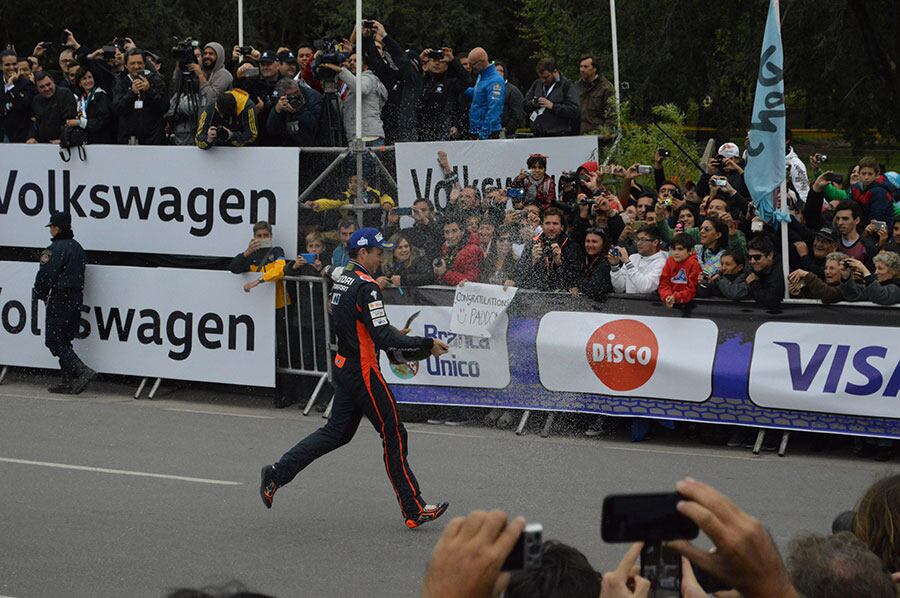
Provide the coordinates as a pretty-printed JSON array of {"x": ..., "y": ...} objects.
[
  {"x": 726, "y": 163},
  {"x": 363, "y": 330},
  {"x": 59, "y": 283},
  {"x": 812, "y": 259}
]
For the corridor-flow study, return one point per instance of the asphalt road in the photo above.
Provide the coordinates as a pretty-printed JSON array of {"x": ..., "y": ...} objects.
[{"x": 107, "y": 528}]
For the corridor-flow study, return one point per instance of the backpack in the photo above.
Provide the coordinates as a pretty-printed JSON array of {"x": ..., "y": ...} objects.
[{"x": 70, "y": 137}]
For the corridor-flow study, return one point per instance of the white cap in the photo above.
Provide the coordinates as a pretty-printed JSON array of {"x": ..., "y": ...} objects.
[{"x": 729, "y": 150}]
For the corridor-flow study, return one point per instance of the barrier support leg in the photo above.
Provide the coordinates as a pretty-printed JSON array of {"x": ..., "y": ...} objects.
[
  {"x": 3, "y": 373},
  {"x": 154, "y": 388},
  {"x": 327, "y": 413},
  {"x": 521, "y": 429},
  {"x": 548, "y": 423},
  {"x": 314, "y": 396},
  {"x": 782, "y": 448},
  {"x": 760, "y": 437},
  {"x": 140, "y": 388}
]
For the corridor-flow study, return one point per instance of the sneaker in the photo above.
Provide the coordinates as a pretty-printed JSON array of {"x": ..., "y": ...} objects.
[
  {"x": 268, "y": 486},
  {"x": 429, "y": 513}
]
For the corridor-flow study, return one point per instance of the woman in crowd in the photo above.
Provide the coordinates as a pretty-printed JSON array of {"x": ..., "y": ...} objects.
[
  {"x": 499, "y": 267},
  {"x": 877, "y": 522},
  {"x": 882, "y": 287},
  {"x": 593, "y": 278},
  {"x": 688, "y": 216},
  {"x": 713, "y": 243},
  {"x": 407, "y": 266},
  {"x": 94, "y": 108}
]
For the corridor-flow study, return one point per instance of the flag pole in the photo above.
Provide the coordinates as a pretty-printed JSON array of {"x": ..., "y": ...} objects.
[
  {"x": 240, "y": 22},
  {"x": 785, "y": 208}
]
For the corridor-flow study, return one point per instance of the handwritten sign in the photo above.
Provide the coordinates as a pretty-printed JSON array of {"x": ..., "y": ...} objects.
[{"x": 477, "y": 308}]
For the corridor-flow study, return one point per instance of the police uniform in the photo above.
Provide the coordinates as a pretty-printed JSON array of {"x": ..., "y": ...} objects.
[
  {"x": 60, "y": 282},
  {"x": 362, "y": 328}
]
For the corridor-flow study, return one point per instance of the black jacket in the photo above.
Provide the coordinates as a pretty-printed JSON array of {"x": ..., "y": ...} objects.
[
  {"x": 146, "y": 123},
  {"x": 768, "y": 289},
  {"x": 295, "y": 129},
  {"x": 513, "y": 110},
  {"x": 438, "y": 107},
  {"x": 403, "y": 83},
  {"x": 99, "y": 123},
  {"x": 565, "y": 116},
  {"x": 427, "y": 237},
  {"x": 413, "y": 273},
  {"x": 51, "y": 114},
  {"x": 593, "y": 277},
  {"x": 15, "y": 110},
  {"x": 545, "y": 275},
  {"x": 62, "y": 266}
]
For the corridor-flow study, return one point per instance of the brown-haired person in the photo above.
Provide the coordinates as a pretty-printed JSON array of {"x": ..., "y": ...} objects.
[
  {"x": 877, "y": 522},
  {"x": 94, "y": 107},
  {"x": 261, "y": 256},
  {"x": 407, "y": 266},
  {"x": 549, "y": 263}
]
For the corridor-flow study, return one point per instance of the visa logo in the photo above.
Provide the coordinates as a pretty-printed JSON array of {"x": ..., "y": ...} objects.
[{"x": 841, "y": 361}]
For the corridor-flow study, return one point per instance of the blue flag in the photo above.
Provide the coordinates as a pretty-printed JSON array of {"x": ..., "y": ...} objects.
[{"x": 765, "y": 169}]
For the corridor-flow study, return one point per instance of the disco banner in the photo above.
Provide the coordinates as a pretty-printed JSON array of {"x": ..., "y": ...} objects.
[{"x": 806, "y": 367}]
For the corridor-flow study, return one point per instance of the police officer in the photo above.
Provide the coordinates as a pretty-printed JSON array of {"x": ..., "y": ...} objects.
[
  {"x": 358, "y": 316},
  {"x": 59, "y": 282}
]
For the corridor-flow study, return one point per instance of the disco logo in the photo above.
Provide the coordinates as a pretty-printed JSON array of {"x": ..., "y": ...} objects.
[
  {"x": 405, "y": 371},
  {"x": 623, "y": 354}
]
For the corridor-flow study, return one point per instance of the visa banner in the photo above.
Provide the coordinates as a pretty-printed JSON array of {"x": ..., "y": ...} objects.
[{"x": 853, "y": 370}]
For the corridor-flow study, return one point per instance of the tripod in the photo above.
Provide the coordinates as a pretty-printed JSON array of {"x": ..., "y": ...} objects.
[
  {"x": 331, "y": 125},
  {"x": 189, "y": 89}
]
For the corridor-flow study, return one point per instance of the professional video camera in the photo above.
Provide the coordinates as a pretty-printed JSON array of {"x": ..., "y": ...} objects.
[
  {"x": 331, "y": 54},
  {"x": 183, "y": 51}
]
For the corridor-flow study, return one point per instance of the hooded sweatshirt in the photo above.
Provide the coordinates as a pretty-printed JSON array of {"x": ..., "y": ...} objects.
[{"x": 218, "y": 79}]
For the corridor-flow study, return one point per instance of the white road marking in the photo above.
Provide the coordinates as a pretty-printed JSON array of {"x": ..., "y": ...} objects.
[
  {"x": 443, "y": 433},
  {"x": 142, "y": 474},
  {"x": 218, "y": 413},
  {"x": 12, "y": 396},
  {"x": 684, "y": 453}
]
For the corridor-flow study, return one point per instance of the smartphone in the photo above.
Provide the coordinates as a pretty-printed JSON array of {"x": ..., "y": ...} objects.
[
  {"x": 528, "y": 553},
  {"x": 411, "y": 319},
  {"x": 645, "y": 517},
  {"x": 310, "y": 257},
  {"x": 251, "y": 72},
  {"x": 263, "y": 243},
  {"x": 403, "y": 211},
  {"x": 662, "y": 568}
]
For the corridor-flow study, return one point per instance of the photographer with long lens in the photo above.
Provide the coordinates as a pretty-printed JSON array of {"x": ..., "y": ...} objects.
[
  {"x": 374, "y": 96},
  {"x": 140, "y": 101},
  {"x": 295, "y": 116},
  {"x": 185, "y": 104},
  {"x": 321, "y": 74},
  {"x": 230, "y": 120}
]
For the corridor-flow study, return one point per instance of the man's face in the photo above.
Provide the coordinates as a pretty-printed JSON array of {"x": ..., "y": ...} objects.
[
  {"x": 822, "y": 246},
  {"x": 370, "y": 258},
  {"x": 897, "y": 231},
  {"x": 867, "y": 174},
  {"x": 421, "y": 213},
  {"x": 486, "y": 232},
  {"x": 502, "y": 70},
  {"x": 209, "y": 58},
  {"x": 437, "y": 67},
  {"x": 644, "y": 205},
  {"x": 351, "y": 63},
  {"x": 46, "y": 87},
  {"x": 667, "y": 190},
  {"x": 23, "y": 68},
  {"x": 547, "y": 78},
  {"x": 71, "y": 75},
  {"x": 303, "y": 56},
  {"x": 467, "y": 198},
  {"x": 729, "y": 266},
  {"x": 268, "y": 70},
  {"x": 346, "y": 233},
  {"x": 262, "y": 234},
  {"x": 759, "y": 261},
  {"x": 9, "y": 66},
  {"x": 464, "y": 61},
  {"x": 845, "y": 222},
  {"x": 285, "y": 69},
  {"x": 832, "y": 272},
  {"x": 587, "y": 69},
  {"x": 716, "y": 207},
  {"x": 452, "y": 234},
  {"x": 552, "y": 226},
  {"x": 646, "y": 245},
  {"x": 135, "y": 64},
  {"x": 472, "y": 224},
  {"x": 65, "y": 60}
]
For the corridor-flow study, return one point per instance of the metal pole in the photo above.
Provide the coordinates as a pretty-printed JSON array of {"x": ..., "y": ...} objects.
[
  {"x": 240, "y": 22},
  {"x": 358, "y": 142},
  {"x": 785, "y": 211},
  {"x": 324, "y": 175},
  {"x": 615, "y": 57}
]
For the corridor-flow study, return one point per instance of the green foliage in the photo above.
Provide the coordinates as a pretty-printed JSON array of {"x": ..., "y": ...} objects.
[{"x": 640, "y": 141}]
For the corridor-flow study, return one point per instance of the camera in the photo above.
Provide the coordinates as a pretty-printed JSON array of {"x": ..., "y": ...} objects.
[
  {"x": 109, "y": 53},
  {"x": 666, "y": 202},
  {"x": 368, "y": 24},
  {"x": 663, "y": 152},
  {"x": 222, "y": 134},
  {"x": 183, "y": 51},
  {"x": 821, "y": 158},
  {"x": 531, "y": 105},
  {"x": 718, "y": 181},
  {"x": 515, "y": 194},
  {"x": 528, "y": 553},
  {"x": 435, "y": 54},
  {"x": 330, "y": 55},
  {"x": 614, "y": 252},
  {"x": 438, "y": 262},
  {"x": 587, "y": 202},
  {"x": 835, "y": 178},
  {"x": 296, "y": 102},
  {"x": 644, "y": 169},
  {"x": 567, "y": 178},
  {"x": 245, "y": 50}
]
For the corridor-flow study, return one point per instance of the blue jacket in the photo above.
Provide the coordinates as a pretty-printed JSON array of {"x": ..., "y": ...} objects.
[
  {"x": 62, "y": 266},
  {"x": 341, "y": 256},
  {"x": 488, "y": 97}
]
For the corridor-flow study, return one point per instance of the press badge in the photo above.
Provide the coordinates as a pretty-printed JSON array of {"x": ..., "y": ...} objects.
[{"x": 138, "y": 104}]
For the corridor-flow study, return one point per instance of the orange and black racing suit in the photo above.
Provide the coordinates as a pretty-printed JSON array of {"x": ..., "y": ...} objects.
[{"x": 362, "y": 328}]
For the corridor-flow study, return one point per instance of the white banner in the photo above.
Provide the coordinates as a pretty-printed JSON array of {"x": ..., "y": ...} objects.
[
  {"x": 661, "y": 358},
  {"x": 155, "y": 322},
  {"x": 477, "y": 308},
  {"x": 489, "y": 162},
  {"x": 471, "y": 362},
  {"x": 145, "y": 199},
  {"x": 852, "y": 370}
]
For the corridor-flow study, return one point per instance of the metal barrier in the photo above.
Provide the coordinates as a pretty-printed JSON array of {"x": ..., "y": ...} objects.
[{"x": 313, "y": 352}]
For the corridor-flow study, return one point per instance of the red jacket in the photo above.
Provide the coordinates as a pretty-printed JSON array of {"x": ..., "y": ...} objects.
[
  {"x": 463, "y": 263},
  {"x": 679, "y": 279}
]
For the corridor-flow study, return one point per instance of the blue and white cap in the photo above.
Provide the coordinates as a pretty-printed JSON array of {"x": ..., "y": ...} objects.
[{"x": 368, "y": 237}]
